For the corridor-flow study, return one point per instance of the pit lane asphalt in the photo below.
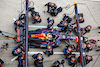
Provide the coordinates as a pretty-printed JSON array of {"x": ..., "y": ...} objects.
[{"x": 10, "y": 9}]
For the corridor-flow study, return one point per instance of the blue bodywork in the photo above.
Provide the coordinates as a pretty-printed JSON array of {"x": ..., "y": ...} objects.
[
  {"x": 42, "y": 42},
  {"x": 38, "y": 42}
]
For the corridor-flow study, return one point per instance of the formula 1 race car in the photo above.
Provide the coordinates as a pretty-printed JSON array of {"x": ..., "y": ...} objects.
[{"x": 40, "y": 37}]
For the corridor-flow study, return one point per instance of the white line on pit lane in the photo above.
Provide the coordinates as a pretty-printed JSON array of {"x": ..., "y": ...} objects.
[
  {"x": 41, "y": 26},
  {"x": 54, "y": 53}
]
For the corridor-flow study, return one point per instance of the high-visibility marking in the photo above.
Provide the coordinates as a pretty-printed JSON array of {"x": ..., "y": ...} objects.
[
  {"x": 40, "y": 26},
  {"x": 14, "y": 19},
  {"x": 53, "y": 53},
  {"x": 14, "y": 58}
]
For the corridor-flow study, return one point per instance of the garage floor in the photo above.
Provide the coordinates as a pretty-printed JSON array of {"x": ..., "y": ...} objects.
[{"x": 10, "y": 9}]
